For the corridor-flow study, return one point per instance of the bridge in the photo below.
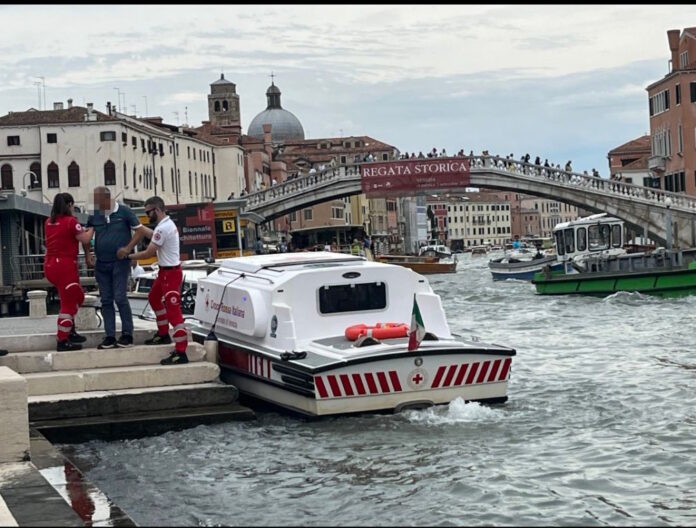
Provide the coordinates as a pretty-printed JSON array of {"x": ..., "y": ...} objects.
[{"x": 643, "y": 209}]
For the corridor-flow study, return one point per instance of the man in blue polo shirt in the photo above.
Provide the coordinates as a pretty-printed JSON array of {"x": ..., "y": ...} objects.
[{"x": 112, "y": 224}]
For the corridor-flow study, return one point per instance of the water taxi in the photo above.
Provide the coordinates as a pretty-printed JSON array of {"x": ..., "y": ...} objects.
[
  {"x": 595, "y": 262},
  {"x": 285, "y": 326},
  {"x": 422, "y": 265},
  {"x": 435, "y": 248}
]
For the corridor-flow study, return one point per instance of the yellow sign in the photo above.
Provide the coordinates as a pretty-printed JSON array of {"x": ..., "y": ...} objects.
[
  {"x": 225, "y": 214},
  {"x": 228, "y": 226}
]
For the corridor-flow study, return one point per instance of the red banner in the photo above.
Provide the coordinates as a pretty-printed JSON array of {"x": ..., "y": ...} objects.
[{"x": 409, "y": 177}]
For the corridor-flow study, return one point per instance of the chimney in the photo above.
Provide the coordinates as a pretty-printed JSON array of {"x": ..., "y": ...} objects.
[
  {"x": 673, "y": 39},
  {"x": 57, "y": 106},
  {"x": 108, "y": 107},
  {"x": 69, "y": 103},
  {"x": 267, "y": 139},
  {"x": 90, "y": 107}
]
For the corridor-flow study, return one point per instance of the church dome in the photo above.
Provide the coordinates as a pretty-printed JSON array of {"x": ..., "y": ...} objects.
[{"x": 284, "y": 125}]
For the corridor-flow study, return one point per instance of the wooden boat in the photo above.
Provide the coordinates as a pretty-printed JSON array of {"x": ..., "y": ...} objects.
[
  {"x": 596, "y": 263},
  {"x": 422, "y": 265},
  {"x": 521, "y": 267},
  {"x": 282, "y": 321}
]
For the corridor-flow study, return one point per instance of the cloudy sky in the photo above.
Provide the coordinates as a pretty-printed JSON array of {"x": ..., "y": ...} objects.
[{"x": 563, "y": 82}]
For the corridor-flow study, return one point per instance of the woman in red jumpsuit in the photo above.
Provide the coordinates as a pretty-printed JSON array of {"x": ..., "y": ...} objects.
[{"x": 63, "y": 232}]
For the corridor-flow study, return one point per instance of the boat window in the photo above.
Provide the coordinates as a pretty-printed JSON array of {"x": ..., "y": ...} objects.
[
  {"x": 352, "y": 297},
  {"x": 616, "y": 236},
  {"x": 569, "y": 238},
  {"x": 582, "y": 239},
  {"x": 598, "y": 237},
  {"x": 560, "y": 246}
]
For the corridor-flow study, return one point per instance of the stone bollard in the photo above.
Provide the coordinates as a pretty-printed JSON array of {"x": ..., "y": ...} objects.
[
  {"x": 37, "y": 303},
  {"x": 86, "y": 318},
  {"x": 14, "y": 433}
]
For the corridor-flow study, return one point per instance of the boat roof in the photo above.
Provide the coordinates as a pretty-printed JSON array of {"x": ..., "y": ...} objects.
[
  {"x": 285, "y": 261},
  {"x": 599, "y": 218}
]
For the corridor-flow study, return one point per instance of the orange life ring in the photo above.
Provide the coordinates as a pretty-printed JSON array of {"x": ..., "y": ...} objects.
[{"x": 378, "y": 331}]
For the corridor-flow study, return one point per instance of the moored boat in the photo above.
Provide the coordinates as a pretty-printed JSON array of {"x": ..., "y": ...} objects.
[
  {"x": 594, "y": 262},
  {"x": 422, "y": 265},
  {"x": 521, "y": 267},
  {"x": 281, "y": 323}
]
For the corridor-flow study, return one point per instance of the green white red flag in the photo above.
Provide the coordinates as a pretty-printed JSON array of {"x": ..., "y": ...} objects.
[{"x": 417, "y": 331}]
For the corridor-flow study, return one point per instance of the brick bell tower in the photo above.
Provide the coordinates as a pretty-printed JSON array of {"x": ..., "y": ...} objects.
[{"x": 223, "y": 104}]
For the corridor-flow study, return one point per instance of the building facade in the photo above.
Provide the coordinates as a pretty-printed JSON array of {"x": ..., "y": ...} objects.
[{"x": 672, "y": 110}]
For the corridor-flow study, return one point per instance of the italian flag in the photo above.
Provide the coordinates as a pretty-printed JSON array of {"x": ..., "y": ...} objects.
[{"x": 417, "y": 331}]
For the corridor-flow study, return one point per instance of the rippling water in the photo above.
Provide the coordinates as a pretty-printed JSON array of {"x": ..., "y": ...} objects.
[{"x": 599, "y": 429}]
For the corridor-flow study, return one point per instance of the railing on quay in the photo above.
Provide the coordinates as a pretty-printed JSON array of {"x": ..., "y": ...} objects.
[{"x": 31, "y": 267}]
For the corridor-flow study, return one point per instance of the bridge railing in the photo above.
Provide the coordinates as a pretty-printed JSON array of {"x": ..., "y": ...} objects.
[
  {"x": 584, "y": 181},
  {"x": 302, "y": 183}
]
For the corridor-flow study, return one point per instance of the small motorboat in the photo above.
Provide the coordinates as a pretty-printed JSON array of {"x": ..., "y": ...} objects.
[
  {"x": 422, "y": 265},
  {"x": 322, "y": 333},
  {"x": 434, "y": 248},
  {"x": 521, "y": 266}
]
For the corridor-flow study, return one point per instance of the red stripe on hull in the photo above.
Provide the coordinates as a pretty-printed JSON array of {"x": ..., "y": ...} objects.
[
  {"x": 334, "y": 385},
  {"x": 346, "y": 385},
  {"x": 506, "y": 368},
  {"x": 394, "y": 377},
  {"x": 319, "y": 384},
  {"x": 438, "y": 377},
  {"x": 472, "y": 373},
  {"x": 371, "y": 383},
  {"x": 383, "y": 382},
  {"x": 358, "y": 384},
  {"x": 494, "y": 370},
  {"x": 460, "y": 376},
  {"x": 483, "y": 371},
  {"x": 450, "y": 375}
]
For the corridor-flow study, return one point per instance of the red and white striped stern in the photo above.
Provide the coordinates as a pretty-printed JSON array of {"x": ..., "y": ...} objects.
[{"x": 397, "y": 383}]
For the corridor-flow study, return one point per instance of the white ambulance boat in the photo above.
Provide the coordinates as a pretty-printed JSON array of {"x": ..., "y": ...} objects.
[{"x": 281, "y": 323}]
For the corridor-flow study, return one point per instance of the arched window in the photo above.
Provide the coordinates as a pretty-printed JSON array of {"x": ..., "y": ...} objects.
[
  {"x": 109, "y": 173},
  {"x": 125, "y": 175},
  {"x": 190, "y": 185},
  {"x": 36, "y": 179},
  {"x": 195, "y": 182},
  {"x": 73, "y": 175},
  {"x": 52, "y": 176},
  {"x": 173, "y": 185},
  {"x": 225, "y": 106},
  {"x": 217, "y": 106},
  {"x": 162, "y": 177},
  {"x": 6, "y": 176},
  {"x": 135, "y": 179}
]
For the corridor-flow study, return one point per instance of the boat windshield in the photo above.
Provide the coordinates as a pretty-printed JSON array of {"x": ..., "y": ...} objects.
[
  {"x": 599, "y": 236},
  {"x": 616, "y": 236},
  {"x": 569, "y": 238},
  {"x": 560, "y": 246}
]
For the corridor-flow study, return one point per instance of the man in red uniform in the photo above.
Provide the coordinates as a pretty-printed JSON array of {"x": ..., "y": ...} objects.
[
  {"x": 164, "y": 296},
  {"x": 63, "y": 232}
]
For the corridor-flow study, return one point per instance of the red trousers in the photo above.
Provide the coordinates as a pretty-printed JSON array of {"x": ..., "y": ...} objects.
[
  {"x": 165, "y": 299},
  {"x": 62, "y": 273}
]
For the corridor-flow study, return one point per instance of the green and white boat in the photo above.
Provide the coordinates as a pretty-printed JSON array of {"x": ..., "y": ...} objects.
[{"x": 596, "y": 263}]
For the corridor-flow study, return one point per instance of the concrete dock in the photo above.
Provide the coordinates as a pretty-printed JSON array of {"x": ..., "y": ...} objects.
[{"x": 76, "y": 396}]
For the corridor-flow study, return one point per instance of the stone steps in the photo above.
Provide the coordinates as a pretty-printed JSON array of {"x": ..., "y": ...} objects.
[
  {"x": 47, "y": 340},
  {"x": 93, "y": 358},
  {"x": 110, "y": 378},
  {"x": 128, "y": 401}
]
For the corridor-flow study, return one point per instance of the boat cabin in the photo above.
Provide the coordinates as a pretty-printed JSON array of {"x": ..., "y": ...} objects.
[{"x": 585, "y": 236}]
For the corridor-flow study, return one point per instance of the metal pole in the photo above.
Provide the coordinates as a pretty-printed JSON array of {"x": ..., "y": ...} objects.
[
  {"x": 668, "y": 231},
  {"x": 238, "y": 226}
]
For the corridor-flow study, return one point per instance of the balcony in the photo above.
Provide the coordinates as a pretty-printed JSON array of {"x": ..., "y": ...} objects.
[{"x": 657, "y": 163}]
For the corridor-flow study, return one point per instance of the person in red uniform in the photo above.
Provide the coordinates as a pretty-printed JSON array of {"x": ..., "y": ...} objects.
[
  {"x": 63, "y": 232},
  {"x": 164, "y": 296}
]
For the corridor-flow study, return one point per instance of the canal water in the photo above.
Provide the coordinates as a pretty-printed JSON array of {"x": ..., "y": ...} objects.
[{"x": 598, "y": 430}]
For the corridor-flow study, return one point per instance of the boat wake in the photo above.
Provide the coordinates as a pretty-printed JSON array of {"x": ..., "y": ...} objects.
[{"x": 457, "y": 411}]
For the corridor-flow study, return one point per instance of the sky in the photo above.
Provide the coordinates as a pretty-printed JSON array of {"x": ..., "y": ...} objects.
[{"x": 564, "y": 82}]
